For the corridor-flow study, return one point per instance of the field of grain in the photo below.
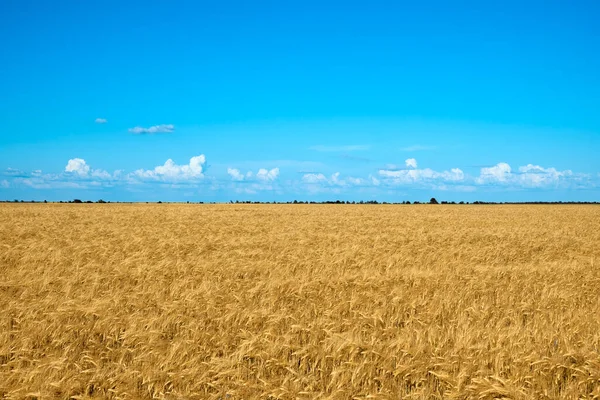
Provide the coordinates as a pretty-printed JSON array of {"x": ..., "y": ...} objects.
[{"x": 299, "y": 301}]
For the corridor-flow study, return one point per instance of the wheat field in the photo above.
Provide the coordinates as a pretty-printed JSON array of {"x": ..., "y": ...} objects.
[{"x": 129, "y": 301}]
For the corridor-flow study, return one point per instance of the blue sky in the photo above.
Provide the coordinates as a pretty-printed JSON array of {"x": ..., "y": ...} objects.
[{"x": 311, "y": 100}]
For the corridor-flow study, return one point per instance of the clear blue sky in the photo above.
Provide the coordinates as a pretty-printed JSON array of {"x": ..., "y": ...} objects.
[{"x": 279, "y": 100}]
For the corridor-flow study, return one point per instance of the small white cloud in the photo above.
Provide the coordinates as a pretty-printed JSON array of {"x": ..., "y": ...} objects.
[
  {"x": 235, "y": 174},
  {"x": 355, "y": 181},
  {"x": 314, "y": 178},
  {"x": 333, "y": 182},
  {"x": 335, "y": 178},
  {"x": 499, "y": 173},
  {"x": 77, "y": 166},
  {"x": 456, "y": 174},
  {"x": 413, "y": 175},
  {"x": 532, "y": 168},
  {"x": 264, "y": 175},
  {"x": 164, "y": 128},
  {"x": 411, "y": 163},
  {"x": 267, "y": 175},
  {"x": 172, "y": 171},
  {"x": 100, "y": 120},
  {"x": 4, "y": 184},
  {"x": 101, "y": 174},
  {"x": 252, "y": 183}
]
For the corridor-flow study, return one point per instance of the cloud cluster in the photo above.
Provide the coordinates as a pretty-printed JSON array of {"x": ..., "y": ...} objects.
[
  {"x": 452, "y": 179},
  {"x": 267, "y": 175},
  {"x": 498, "y": 173},
  {"x": 252, "y": 183},
  {"x": 263, "y": 175},
  {"x": 411, "y": 163},
  {"x": 529, "y": 175},
  {"x": 173, "y": 172},
  {"x": 164, "y": 128},
  {"x": 335, "y": 180},
  {"x": 77, "y": 166},
  {"x": 100, "y": 120},
  {"x": 78, "y": 174},
  {"x": 501, "y": 174},
  {"x": 414, "y": 175},
  {"x": 236, "y": 175},
  {"x": 314, "y": 178}
]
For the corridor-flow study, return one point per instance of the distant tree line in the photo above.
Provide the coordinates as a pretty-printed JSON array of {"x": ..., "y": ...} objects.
[{"x": 431, "y": 201}]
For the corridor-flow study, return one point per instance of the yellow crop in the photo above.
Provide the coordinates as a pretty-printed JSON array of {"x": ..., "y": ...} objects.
[{"x": 299, "y": 301}]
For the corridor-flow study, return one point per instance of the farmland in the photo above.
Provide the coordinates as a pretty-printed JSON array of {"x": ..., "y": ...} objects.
[{"x": 299, "y": 301}]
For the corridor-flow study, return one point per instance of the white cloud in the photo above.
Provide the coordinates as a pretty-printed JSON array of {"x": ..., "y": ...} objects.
[
  {"x": 252, "y": 183},
  {"x": 536, "y": 176},
  {"x": 100, "y": 120},
  {"x": 263, "y": 174},
  {"x": 235, "y": 174},
  {"x": 333, "y": 181},
  {"x": 411, "y": 163},
  {"x": 4, "y": 184},
  {"x": 171, "y": 171},
  {"x": 528, "y": 175},
  {"x": 355, "y": 181},
  {"x": 533, "y": 168},
  {"x": 78, "y": 174},
  {"x": 77, "y": 166},
  {"x": 267, "y": 175},
  {"x": 456, "y": 174},
  {"x": 164, "y": 128},
  {"x": 101, "y": 174},
  {"x": 500, "y": 172},
  {"x": 320, "y": 183},
  {"x": 408, "y": 176},
  {"x": 335, "y": 178},
  {"x": 339, "y": 148},
  {"x": 314, "y": 178}
]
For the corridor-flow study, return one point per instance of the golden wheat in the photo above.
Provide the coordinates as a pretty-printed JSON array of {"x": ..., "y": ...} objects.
[{"x": 299, "y": 301}]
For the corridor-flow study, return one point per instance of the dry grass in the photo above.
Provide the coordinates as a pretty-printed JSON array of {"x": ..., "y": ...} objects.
[{"x": 284, "y": 302}]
